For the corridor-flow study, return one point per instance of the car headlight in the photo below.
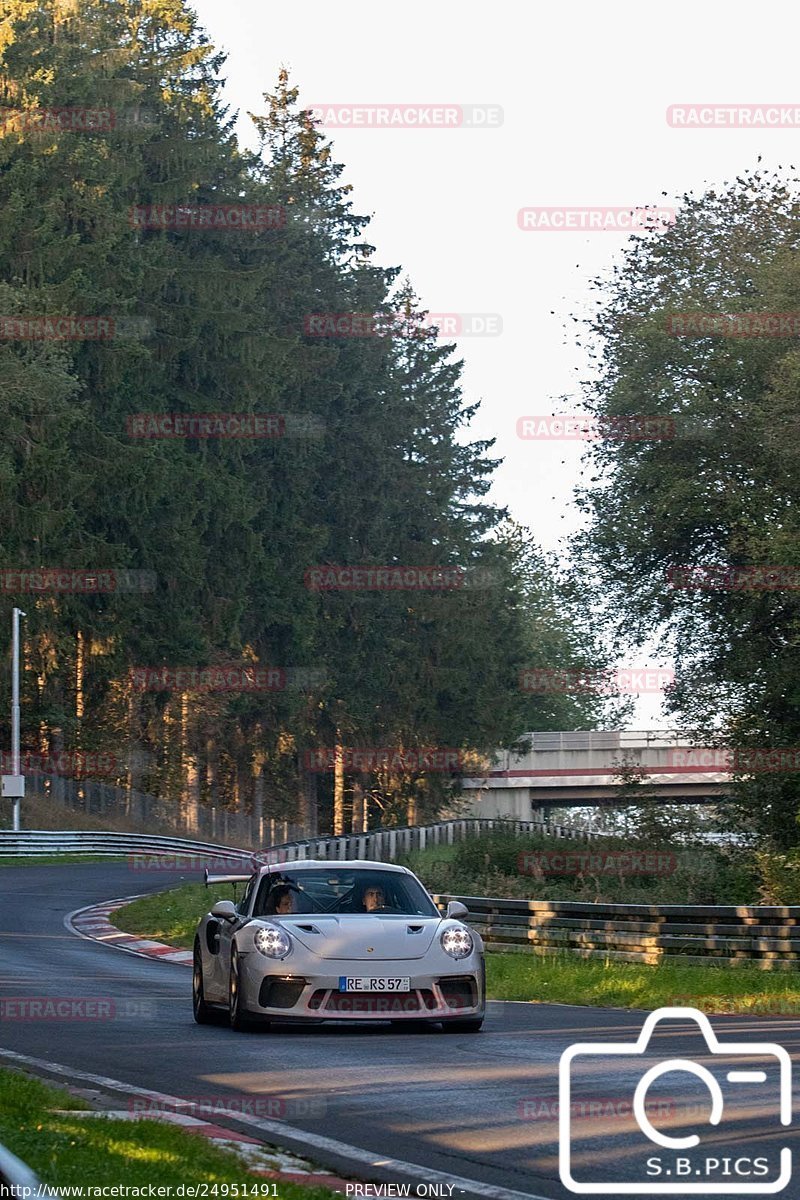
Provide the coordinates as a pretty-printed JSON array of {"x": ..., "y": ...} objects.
[
  {"x": 457, "y": 941},
  {"x": 272, "y": 941}
]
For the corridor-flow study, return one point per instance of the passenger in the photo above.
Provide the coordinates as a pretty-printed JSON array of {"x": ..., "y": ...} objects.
[
  {"x": 373, "y": 898},
  {"x": 279, "y": 901}
]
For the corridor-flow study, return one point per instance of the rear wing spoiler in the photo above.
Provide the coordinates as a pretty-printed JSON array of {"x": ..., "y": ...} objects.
[{"x": 215, "y": 879}]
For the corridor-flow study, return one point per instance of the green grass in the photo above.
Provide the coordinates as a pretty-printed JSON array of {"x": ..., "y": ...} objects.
[
  {"x": 562, "y": 979},
  {"x": 58, "y": 860},
  {"x": 67, "y": 1148},
  {"x": 171, "y": 916}
]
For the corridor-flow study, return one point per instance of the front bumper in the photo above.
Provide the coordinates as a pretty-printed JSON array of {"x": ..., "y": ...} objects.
[{"x": 283, "y": 993}]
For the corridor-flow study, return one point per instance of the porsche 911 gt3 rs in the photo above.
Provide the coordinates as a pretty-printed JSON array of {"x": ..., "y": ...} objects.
[{"x": 344, "y": 941}]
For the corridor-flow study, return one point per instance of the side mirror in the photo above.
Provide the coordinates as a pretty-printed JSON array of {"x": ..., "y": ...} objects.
[
  {"x": 226, "y": 910},
  {"x": 456, "y": 909}
]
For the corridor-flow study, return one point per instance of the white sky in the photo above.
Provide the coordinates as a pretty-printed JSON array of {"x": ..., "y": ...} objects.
[{"x": 584, "y": 90}]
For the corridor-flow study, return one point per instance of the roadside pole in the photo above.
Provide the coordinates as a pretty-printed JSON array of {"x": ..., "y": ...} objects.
[{"x": 14, "y": 784}]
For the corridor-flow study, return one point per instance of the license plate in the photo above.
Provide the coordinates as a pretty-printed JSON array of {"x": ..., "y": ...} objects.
[{"x": 350, "y": 983}]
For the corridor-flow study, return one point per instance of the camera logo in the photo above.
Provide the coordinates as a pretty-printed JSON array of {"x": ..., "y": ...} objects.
[{"x": 690, "y": 1163}]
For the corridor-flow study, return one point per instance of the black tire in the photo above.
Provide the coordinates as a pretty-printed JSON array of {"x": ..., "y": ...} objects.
[
  {"x": 470, "y": 1025},
  {"x": 204, "y": 1014},
  {"x": 240, "y": 1019}
]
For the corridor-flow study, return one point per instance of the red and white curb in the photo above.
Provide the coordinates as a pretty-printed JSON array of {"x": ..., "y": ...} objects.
[
  {"x": 94, "y": 924},
  {"x": 256, "y": 1157}
]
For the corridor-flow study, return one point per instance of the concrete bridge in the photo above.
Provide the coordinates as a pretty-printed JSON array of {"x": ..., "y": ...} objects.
[{"x": 576, "y": 768}]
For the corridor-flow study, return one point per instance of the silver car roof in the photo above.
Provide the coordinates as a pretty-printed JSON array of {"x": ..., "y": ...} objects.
[{"x": 363, "y": 864}]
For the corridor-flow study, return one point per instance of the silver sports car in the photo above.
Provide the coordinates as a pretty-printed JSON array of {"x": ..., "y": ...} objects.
[{"x": 337, "y": 941}]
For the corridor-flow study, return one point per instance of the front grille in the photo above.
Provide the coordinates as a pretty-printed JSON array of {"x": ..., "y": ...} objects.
[
  {"x": 459, "y": 991},
  {"x": 378, "y": 1006},
  {"x": 280, "y": 992}
]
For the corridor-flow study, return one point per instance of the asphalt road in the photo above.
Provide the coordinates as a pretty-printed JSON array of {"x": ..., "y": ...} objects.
[{"x": 480, "y": 1107}]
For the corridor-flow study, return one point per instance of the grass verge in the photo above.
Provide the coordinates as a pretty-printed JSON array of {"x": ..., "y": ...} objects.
[
  {"x": 562, "y": 979},
  {"x": 172, "y": 917},
  {"x": 68, "y": 1148}
]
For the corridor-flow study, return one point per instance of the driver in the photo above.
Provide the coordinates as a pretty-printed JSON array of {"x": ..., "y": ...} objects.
[
  {"x": 279, "y": 901},
  {"x": 373, "y": 898}
]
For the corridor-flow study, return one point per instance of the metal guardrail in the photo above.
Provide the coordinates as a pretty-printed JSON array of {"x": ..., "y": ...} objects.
[
  {"x": 707, "y": 935},
  {"x": 382, "y": 845},
  {"x": 31, "y": 843}
]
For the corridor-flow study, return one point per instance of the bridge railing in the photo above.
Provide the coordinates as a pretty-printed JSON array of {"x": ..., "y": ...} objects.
[{"x": 710, "y": 935}]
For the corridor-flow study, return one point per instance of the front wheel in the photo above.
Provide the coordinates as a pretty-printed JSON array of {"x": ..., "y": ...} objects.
[
  {"x": 240, "y": 1018},
  {"x": 204, "y": 1014}
]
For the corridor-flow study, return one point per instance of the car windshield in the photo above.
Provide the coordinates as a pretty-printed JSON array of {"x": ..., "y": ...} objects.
[{"x": 340, "y": 891}]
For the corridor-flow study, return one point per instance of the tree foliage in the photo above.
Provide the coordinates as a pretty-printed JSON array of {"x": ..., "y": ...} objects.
[
  {"x": 375, "y": 468},
  {"x": 717, "y": 489}
]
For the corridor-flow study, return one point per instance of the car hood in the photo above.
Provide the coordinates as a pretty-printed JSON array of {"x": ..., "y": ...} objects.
[{"x": 372, "y": 939}]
